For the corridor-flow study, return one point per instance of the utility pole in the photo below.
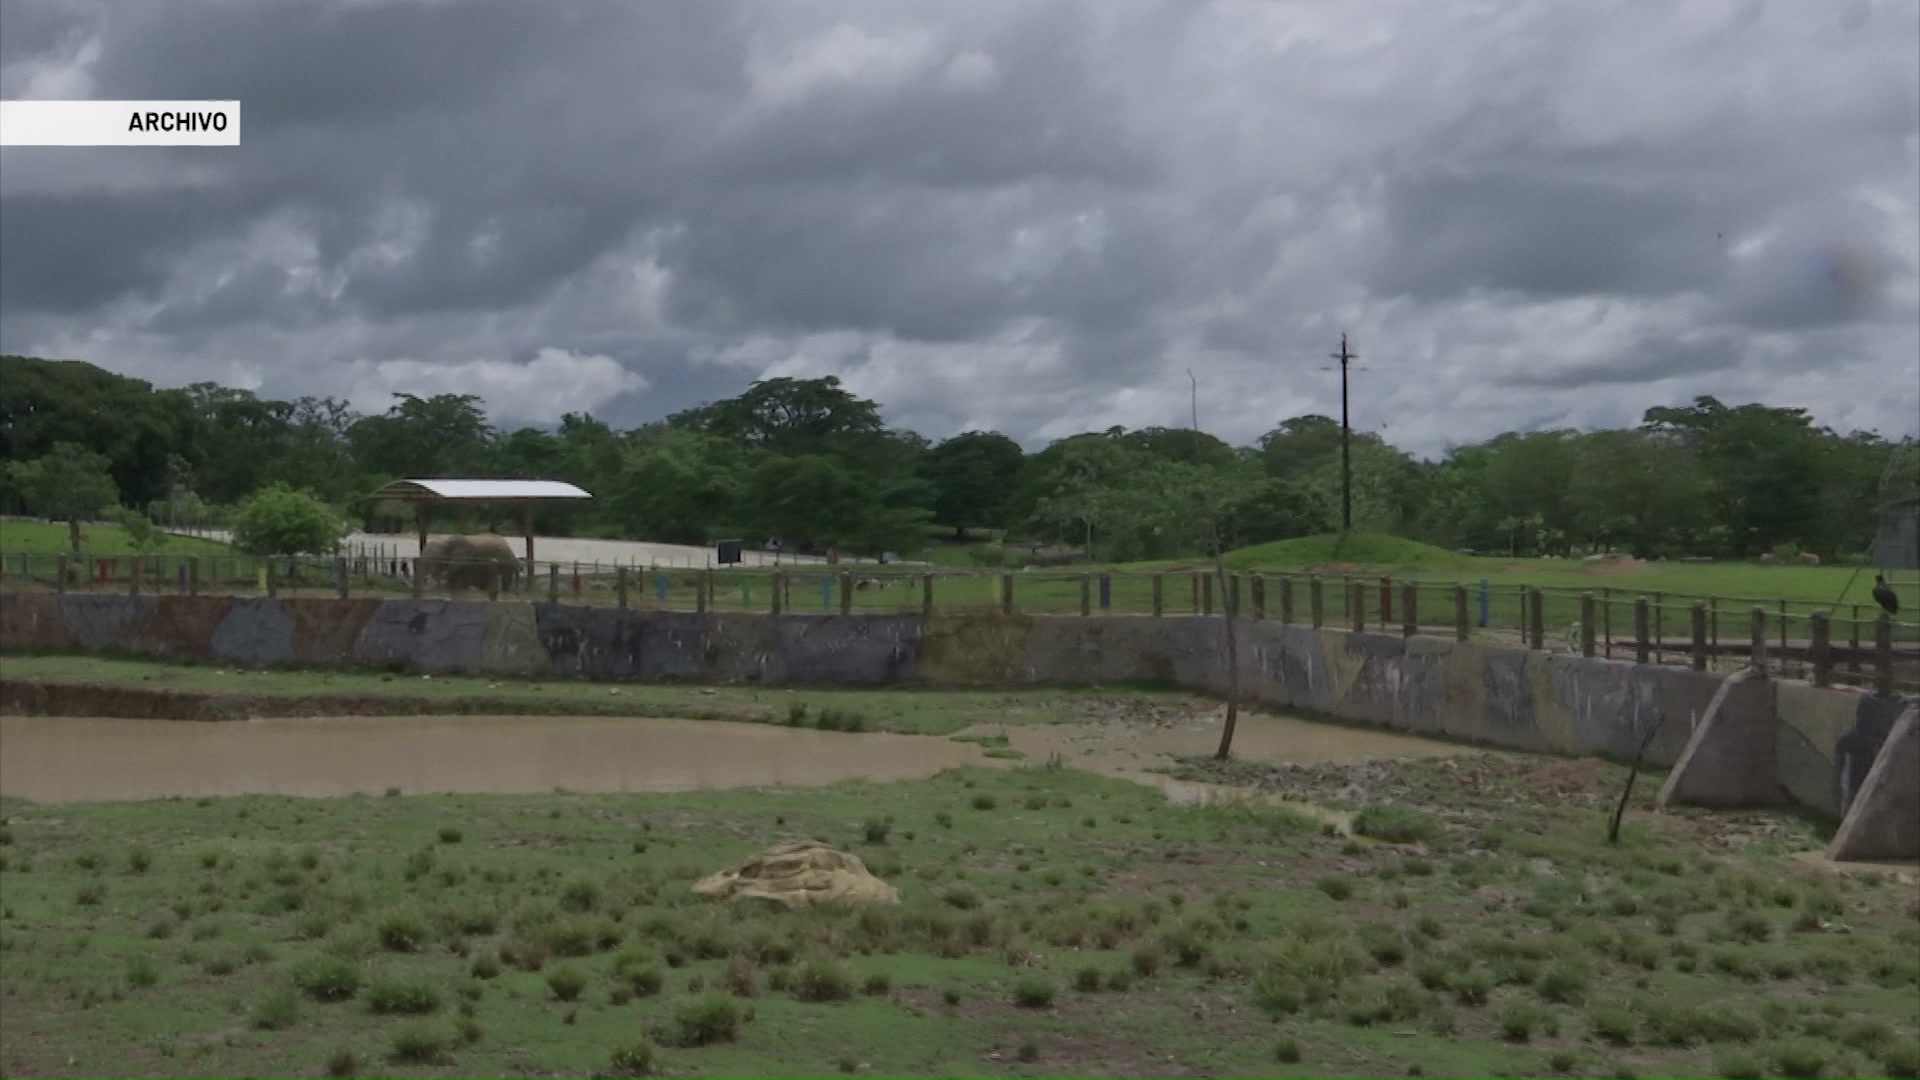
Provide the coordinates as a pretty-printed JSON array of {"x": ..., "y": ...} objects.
[{"x": 1346, "y": 359}]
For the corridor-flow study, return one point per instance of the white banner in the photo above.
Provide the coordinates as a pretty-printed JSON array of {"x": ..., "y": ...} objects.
[{"x": 119, "y": 123}]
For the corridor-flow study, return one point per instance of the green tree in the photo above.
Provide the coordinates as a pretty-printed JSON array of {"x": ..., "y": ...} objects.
[
  {"x": 142, "y": 534},
  {"x": 446, "y": 435},
  {"x": 67, "y": 484},
  {"x": 279, "y": 520},
  {"x": 790, "y": 416},
  {"x": 678, "y": 484},
  {"x": 139, "y": 430},
  {"x": 972, "y": 477}
]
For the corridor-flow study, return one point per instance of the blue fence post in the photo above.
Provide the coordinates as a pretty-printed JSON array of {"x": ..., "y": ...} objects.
[
  {"x": 661, "y": 585},
  {"x": 1484, "y": 587},
  {"x": 826, "y": 594},
  {"x": 1106, "y": 592}
]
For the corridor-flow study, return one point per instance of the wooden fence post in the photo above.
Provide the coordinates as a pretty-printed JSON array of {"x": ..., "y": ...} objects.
[
  {"x": 1537, "y": 617},
  {"x": 1410, "y": 609},
  {"x": 1606, "y": 620},
  {"x": 1206, "y": 593},
  {"x": 1883, "y": 655},
  {"x": 1821, "y": 646},
  {"x": 1659, "y": 627},
  {"x": 1641, "y": 627},
  {"x": 340, "y": 576},
  {"x": 1257, "y": 591},
  {"x": 1587, "y": 644},
  {"x": 193, "y": 575},
  {"x": 1286, "y": 599},
  {"x": 1700, "y": 655},
  {"x": 60, "y": 573},
  {"x": 273, "y": 578},
  {"x": 553, "y": 583},
  {"x": 621, "y": 584},
  {"x": 1757, "y": 649},
  {"x": 1006, "y": 594},
  {"x": 1357, "y": 605},
  {"x": 1853, "y": 646},
  {"x": 1462, "y": 626},
  {"x": 1086, "y": 594},
  {"x": 779, "y": 591},
  {"x": 1159, "y": 594},
  {"x": 926, "y": 596},
  {"x": 1316, "y": 602},
  {"x": 1386, "y": 602},
  {"x": 493, "y": 581},
  {"x": 133, "y": 575},
  {"x": 846, "y": 592}
]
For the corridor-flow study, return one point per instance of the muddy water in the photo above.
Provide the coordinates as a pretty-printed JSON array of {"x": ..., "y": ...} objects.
[{"x": 65, "y": 759}]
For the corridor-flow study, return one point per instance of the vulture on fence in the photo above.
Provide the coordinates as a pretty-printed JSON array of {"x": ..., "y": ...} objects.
[{"x": 1883, "y": 594}]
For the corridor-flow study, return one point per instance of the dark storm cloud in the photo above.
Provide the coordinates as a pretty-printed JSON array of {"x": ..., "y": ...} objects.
[{"x": 994, "y": 214}]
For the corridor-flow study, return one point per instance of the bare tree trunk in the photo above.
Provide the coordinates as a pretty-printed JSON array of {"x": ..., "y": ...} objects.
[{"x": 1230, "y": 605}]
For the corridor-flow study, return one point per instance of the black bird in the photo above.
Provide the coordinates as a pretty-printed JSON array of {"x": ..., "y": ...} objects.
[{"x": 1883, "y": 594}]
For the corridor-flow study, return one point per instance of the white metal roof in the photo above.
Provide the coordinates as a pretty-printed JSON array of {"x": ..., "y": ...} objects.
[{"x": 481, "y": 490}]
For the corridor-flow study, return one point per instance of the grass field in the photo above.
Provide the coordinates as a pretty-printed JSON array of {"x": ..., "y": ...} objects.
[
  {"x": 1053, "y": 923},
  {"x": 98, "y": 539}
]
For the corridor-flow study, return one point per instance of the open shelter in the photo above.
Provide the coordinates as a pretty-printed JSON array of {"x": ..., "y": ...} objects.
[{"x": 521, "y": 493}]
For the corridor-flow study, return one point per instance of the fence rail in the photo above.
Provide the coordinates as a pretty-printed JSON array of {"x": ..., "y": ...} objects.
[{"x": 1844, "y": 644}]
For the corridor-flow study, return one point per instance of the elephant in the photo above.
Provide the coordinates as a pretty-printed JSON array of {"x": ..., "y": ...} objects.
[{"x": 467, "y": 562}]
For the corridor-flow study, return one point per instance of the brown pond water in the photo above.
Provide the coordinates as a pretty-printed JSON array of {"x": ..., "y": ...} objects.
[{"x": 68, "y": 759}]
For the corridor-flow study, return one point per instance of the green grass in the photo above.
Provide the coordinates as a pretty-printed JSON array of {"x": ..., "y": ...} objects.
[
  {"x": 921, "y": 712},
  {"x": 50, "y": 538},
  {"x": 1169, "y": 940}
]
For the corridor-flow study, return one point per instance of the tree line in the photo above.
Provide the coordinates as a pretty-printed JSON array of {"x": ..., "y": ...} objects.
[{"x": 808, "y": 461}]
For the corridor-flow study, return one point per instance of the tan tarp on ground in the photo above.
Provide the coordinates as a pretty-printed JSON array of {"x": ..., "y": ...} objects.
[{"x": 798, "y": 874}]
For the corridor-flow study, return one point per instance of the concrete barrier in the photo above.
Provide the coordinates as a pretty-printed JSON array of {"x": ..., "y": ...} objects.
[{"x": 1824, "y": 740}]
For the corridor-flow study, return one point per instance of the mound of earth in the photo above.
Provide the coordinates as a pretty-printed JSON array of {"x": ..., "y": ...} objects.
[{"x": 799, "y": 874}]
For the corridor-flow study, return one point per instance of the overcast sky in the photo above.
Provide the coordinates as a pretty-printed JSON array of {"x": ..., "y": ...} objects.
[{"x": 1031, "y": 216}]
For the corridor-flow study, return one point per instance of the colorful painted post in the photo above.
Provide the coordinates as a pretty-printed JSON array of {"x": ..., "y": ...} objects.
[
  {"x": 1821, "y": 647},
  {"x": 1486, "y": 601},
  {"x": 1386, "y": 600},
  {"x": 620, "y": 586},
  {"x": 1159, "y": 593},
  {"x": 1883, "y": 655},
  {"x": 1409, "y": 609},
  {"x": 1699, "y": 616},
  {"x": 1086, "y": 594},
  {"x": 1460, "y": 622},
  {"x": 662, "y": 587},
  {"x": 1316, "y": 602},
  {"x": 1641, "y": 647},
  {"x": 1586, "y": 624},
  {"x": 1106, "y": 592}
]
